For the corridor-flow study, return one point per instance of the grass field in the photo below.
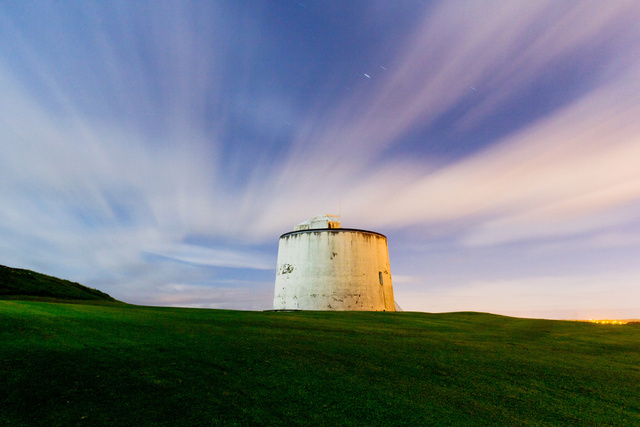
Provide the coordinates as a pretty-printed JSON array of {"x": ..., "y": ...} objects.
[{"x": 74, "y": 364}]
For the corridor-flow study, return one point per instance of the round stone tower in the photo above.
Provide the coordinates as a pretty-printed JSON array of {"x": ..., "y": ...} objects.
[{"x": 324, "y": 267}]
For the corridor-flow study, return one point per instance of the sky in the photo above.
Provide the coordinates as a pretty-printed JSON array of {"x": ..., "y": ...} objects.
[{"x": 156, "y": 150}]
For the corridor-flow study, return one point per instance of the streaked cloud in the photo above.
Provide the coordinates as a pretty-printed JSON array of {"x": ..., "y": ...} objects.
[
  {"x": 559, "y": 162},
  {"x": 225, "y": 257},
  {"x": 176, "y": 126}
]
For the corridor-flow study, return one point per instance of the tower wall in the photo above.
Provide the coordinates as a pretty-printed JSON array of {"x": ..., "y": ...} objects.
[{"x": 333, "y": 269}]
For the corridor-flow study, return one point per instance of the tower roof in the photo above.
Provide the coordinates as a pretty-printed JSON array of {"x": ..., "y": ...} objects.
[{"x": 318, "y": 222}]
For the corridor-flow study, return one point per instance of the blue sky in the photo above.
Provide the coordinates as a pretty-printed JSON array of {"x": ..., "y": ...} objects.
[{"x": 157, "y": 150}]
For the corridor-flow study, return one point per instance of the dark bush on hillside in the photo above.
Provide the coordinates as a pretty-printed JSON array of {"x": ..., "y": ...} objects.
[{"x": 16, "y": 282}]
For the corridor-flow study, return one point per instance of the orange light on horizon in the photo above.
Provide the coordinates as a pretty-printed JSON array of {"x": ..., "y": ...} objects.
[{"x": 608, "y": 321}]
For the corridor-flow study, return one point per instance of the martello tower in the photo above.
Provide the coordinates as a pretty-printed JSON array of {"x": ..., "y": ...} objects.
[{"x": 322, "y": 266}]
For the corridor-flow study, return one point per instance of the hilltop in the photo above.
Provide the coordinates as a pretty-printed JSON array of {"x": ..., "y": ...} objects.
[
  {"x": 16, "y": 283},
  {"x": 119, "y": 364}
]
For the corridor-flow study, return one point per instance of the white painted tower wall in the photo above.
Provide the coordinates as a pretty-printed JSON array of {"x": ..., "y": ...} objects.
[{"x": 333, "y": 269}]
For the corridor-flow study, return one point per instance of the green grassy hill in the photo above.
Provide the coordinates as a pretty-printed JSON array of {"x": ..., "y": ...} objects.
[
  {"x": 16, "y": 283},
  {"x": 74, "y": 364}
]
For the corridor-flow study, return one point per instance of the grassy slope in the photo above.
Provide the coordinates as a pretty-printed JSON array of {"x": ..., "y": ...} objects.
[
  {"x": 16, "y": 283},
  {"x": 63, "y": 364}
]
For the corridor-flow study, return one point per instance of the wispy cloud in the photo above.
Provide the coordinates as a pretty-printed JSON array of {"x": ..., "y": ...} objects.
[
  {"x": 571, "y": 164},
  {"x": 571, "y": 167},
  {"x": 225, "y": 257},
  {"x": 162, "y": 133}
]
